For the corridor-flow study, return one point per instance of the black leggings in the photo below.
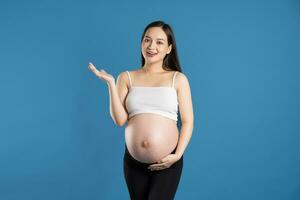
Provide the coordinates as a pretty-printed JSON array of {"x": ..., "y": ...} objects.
[{"x": 144, "y": 184}]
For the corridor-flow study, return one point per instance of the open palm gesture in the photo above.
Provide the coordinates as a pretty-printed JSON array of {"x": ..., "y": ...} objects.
[{"x": 102, "y": 74}]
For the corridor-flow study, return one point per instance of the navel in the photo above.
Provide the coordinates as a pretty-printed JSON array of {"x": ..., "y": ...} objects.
[{"x": 145, "y": 144}]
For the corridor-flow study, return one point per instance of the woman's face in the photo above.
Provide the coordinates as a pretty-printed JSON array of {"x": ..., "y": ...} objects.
[{"x": 155, "y": 45}]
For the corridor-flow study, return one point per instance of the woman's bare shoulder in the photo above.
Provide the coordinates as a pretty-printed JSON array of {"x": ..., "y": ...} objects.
[{"x": 182, "y": 81}]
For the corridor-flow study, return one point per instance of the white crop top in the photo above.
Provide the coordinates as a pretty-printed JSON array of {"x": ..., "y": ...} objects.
[{"x": 161, "y": 100}]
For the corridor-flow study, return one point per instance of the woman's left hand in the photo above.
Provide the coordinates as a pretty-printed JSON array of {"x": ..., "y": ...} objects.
[{"x": 165, "y": 162}]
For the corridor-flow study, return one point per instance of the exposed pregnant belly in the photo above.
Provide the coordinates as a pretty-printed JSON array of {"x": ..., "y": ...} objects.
[{"x": 150, "y": 137}]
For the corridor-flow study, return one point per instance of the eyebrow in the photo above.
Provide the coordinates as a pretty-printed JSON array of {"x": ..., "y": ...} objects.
[{"x": 157, "y": 38}]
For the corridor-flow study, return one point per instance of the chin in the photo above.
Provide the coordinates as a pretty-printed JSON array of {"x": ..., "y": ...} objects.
[{"x": 150, "y": 60}]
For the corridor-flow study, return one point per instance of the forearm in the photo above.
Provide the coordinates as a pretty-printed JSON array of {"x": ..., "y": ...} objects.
[
  {"x": 116, "y": 109},
  {"x": 184, "y": 137}
]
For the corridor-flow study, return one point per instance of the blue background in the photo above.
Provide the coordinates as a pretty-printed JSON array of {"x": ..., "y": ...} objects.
[{"x": 242, "y": 59}]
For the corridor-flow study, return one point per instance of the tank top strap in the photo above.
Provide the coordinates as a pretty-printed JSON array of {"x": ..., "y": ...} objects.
[
  {"x": 174, "y": 78},
  {"x": 129, "y": 78}
]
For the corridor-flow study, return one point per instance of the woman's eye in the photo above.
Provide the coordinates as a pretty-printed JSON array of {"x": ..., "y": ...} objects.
[{"x": 160, "y": 43}]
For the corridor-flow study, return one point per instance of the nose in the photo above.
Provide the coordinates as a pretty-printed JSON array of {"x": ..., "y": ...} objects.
[{"x": 151, "y": 45}]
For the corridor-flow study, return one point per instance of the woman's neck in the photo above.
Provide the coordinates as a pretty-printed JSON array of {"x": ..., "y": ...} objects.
[{"x": 154, "y": 68}]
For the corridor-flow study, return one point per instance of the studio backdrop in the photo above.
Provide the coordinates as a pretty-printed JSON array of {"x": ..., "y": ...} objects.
[{"x": 58, "y": 140}]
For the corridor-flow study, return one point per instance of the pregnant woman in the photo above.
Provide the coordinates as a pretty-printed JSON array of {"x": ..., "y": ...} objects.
[{"x": 147, "y": 101}]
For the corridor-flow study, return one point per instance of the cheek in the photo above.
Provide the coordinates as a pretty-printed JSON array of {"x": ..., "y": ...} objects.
[
  {"x": 163, "y": 53},
  {"x": 144, "y": 46},
  {"x": 164, "y": 49}
]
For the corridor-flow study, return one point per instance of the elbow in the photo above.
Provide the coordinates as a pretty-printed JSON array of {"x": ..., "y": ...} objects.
[{"x": 121, "y": 122}]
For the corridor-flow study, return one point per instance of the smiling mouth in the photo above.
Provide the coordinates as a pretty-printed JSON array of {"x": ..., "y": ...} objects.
[{"x": 150, "y": 54}]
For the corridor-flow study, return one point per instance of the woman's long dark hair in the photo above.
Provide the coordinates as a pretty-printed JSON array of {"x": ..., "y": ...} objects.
[{"x": 171, "y": 61}]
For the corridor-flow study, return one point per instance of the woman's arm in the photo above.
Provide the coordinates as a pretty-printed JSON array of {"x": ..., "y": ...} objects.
[
  {"x": 117, "y": 95},
  {"x": 186, "y": 113}
]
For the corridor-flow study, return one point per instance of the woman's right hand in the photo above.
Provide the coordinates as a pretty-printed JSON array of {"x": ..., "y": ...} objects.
[{"x": 102, "y": 74}]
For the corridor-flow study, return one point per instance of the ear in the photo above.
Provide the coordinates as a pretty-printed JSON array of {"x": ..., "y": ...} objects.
[{"x": 169, "y": 48}]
